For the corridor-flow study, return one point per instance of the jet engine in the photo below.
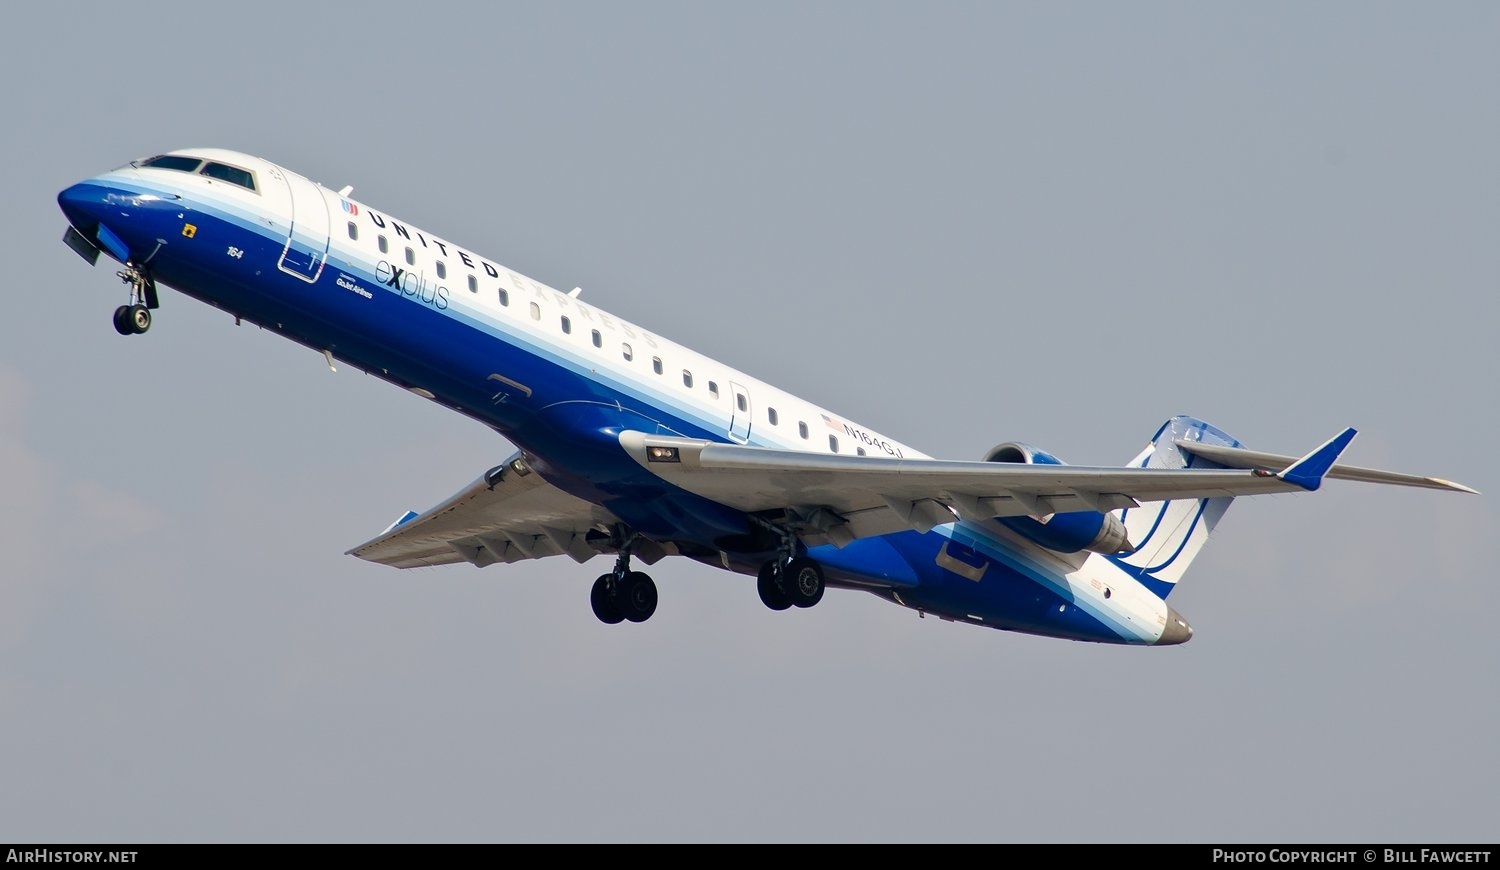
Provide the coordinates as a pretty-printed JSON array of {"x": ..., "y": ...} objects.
[{"x": 1064, "y": 532}]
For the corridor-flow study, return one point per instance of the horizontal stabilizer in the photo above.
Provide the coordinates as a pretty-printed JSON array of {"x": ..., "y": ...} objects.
[{"x": 1238, "y": 457}]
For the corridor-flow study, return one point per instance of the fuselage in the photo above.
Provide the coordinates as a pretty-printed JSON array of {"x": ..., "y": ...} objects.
[{"x": 560, "y": 378}]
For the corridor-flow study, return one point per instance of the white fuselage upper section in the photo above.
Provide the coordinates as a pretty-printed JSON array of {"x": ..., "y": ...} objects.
[{"x": 451, "y": 277}]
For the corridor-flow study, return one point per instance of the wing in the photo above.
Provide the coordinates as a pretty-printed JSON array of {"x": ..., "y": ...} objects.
[
  {"x": 837, "y": 499},
  {"x": 508, "y": 515}
]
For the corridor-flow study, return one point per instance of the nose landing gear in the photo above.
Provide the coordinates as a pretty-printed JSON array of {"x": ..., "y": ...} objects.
[
  {"x": 132, "y": 319},
  {"x": 135, "y": 318}
]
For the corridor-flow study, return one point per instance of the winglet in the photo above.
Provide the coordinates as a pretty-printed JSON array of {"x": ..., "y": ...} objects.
[
  {"x": 402, "y": 520},
  {"x": 1308, "y": 471}
]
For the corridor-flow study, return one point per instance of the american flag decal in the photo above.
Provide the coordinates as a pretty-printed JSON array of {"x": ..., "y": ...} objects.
[
  {"x": 350, "y": 207},
  {"x": 832, "y": 423}
]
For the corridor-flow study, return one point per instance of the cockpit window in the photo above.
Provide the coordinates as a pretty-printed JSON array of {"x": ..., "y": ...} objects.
[
  {"x": 221, "y": 171},
  {"x": 231, "y": 174},
  {"x": 173, "y": 161}
]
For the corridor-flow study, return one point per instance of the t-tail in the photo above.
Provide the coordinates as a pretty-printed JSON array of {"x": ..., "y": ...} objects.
[{"x": 1169, "y": 535}]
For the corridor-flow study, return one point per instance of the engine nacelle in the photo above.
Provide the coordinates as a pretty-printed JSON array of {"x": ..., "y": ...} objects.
[
  {"x": 1020, "y": 451},
  {"x": 1064, "y": 532}
]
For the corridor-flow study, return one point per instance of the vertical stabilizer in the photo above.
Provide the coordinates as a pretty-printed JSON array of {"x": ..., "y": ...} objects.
[{"x": 1169, "y": 534}]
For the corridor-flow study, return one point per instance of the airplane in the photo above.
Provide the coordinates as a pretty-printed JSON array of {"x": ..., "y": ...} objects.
[{"x": 630, "y": 445}]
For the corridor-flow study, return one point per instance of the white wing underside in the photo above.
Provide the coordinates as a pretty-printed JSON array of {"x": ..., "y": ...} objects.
[
  {"x": 506, "y": 516},
  {"x": 511, "y": 514},
  {"x": 841, "y": 498}
]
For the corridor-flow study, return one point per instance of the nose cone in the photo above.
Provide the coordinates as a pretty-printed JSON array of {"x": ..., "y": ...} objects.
[
  {"x": 1177, "y": 630},
  {"x": 81, "y": 204}
]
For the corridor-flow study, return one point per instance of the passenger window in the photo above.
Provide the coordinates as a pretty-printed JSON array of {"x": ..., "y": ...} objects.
[
  {"x": 231, "y": 174},
  {"x": 504, "y": 297},
  {"x": 687, "y": 379},
  {"x": 833, "y": 443},
  {"x": 567, "y": 326},
  {"x": 771, "y": 415},
  {"x": 442, "y": 269},
  {"x": 385, "y": 247},
  {"x": 802, "y": 429},
  {"x": 536, "y": 311},
  {"x": 353, "y": 231},
  {"x": 473, "y": 284},
  {"x": 411, "y": 257},
  {"x": 656, "y": 364},
  {"x": 739, "y": 402},
  {"x": 598, "y": 339},
  {"x": 627, "y": 352},
  {"x": 713, "y": 389},
  {"x": 860, "y": 451}
]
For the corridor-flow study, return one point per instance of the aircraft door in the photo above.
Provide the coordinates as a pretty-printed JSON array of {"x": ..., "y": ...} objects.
[
  {"x": 307, "y": 238},
  {"x": 739, "y": 413}
]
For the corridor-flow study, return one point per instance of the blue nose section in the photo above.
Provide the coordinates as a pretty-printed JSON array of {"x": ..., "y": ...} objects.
[
  {"x": 86, "y": 206},
  {"x": 81, "y": 204}
]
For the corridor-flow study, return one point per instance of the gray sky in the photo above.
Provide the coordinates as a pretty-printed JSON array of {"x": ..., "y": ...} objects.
[{"x": 956, "y": 223}]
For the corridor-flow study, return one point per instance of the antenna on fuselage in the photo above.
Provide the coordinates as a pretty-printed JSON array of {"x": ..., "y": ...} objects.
[{"x": 573, "y": 294}]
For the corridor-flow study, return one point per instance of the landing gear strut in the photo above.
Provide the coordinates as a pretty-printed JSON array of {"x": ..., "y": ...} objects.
[
  {"x": 789, "y": 580},
  {"x": 623, "y": 594},
  {"x": 135, "y": 318}
]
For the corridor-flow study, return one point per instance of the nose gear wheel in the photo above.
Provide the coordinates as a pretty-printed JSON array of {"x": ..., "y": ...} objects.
[{"x": 135, "y": 318}]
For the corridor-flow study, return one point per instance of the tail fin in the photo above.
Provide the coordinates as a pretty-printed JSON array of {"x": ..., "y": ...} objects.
[{"x": 1168, "y": 535}]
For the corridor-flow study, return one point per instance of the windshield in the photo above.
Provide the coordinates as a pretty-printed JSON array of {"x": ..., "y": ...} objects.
[
  {"x": 173, "y": 161},
  {"x": 183, "y": 163}
]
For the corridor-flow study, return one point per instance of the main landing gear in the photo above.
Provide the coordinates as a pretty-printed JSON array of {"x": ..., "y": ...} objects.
[
  {"x": 789, "y": 580},
  {"x": 623, "y": 594},
  {"x": 797, "y": 582},
  {"x": 135, "y": 318}
]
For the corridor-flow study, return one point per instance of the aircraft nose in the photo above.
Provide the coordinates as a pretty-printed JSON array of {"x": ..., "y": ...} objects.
[
  {"x": 82, "y": 203},
  {"x": 1177, "y": 630}
]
